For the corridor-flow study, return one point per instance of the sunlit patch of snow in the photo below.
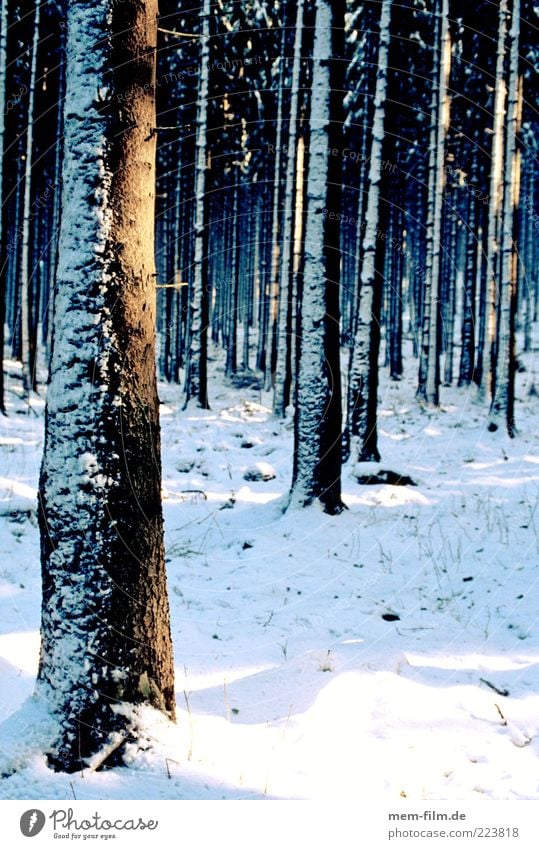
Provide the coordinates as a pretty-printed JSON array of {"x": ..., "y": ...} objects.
[
  {"x": 489, "y": 464},
  {"x": 8, "y": 590},
  {"x": 21, "y": 649},
  {"x": 395, "y": 437},
  {"x": 480, "y": 662},
  {"x": 249, "y": 496},
  {"x": 493, "y": 480},
  {"x": 384, "y": 495},
  {"x": 191, "y": 681},
  {"x": 14, "y": 487},
  {"x": 201, "y": 417}
]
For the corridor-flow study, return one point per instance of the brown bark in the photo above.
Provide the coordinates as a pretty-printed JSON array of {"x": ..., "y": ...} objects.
[{"x": 105, "y": 619}]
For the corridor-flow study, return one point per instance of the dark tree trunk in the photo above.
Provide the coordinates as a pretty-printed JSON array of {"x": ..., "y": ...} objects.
[
  {"x": 363, "y": 382},
  {"x": 318, "y": 423}
]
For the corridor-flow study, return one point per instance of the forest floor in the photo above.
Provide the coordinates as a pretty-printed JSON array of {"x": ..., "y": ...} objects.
[{"x": 389, "y": 652}]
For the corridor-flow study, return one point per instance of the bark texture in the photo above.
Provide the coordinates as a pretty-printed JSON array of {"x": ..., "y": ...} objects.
[
  {"x": 363, "y": 388},
  {"x": 487, "y": 342},
  {"x": 503, "y": 402},
  {"x": 105, "y": 620},
  {"x": 318, "y": 424},
  {"x": 196, "y": 381},
  {"x": 428, "y": 389}
]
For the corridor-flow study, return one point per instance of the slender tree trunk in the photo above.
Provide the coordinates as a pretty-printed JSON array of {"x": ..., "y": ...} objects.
[
  {"x": 48, "y": 311},
  {"x": 276, "y": 222},
  {"x": 429, "y": 364},
  {"x": 247, "y": 279},
  {"x": 196, "y": 383},
  {"x": 455, "y": 273},
  {"x": 363, "y": 383},
  {"x": 105, "y": 621},
  {"x": 284, "y": 340},
  {"x": 502, "y": 407},
  {"x": 486, "y": 364},
  {"x": 394, "y": 334},
  {"x": 471, "y": 236},
  {"x": 28, "y": 365},
  {"x": 3, "y": 259},
  {"x": 528, "y": 265},
  {"x": 232, "y": 303}
]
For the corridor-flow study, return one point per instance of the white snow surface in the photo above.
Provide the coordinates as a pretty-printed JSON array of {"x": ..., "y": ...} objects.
[{"x": 290, "y": 683}]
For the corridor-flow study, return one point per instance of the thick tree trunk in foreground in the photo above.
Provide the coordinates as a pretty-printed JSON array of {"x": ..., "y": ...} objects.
[
  {"x": 318, "y": 423},
  {"x": 105, "y": 622}
]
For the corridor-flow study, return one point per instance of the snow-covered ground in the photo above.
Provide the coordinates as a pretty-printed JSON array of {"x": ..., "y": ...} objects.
[{"x": 391, "y": 651}]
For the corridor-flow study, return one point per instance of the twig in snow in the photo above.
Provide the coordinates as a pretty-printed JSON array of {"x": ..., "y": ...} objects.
[
  {"x": 99, "y": 759},
  {"x": 227, "y": 706},
  {"x": 167, "y": 761},
  {"x": 80, "y": 756},
  {"x": 190, "y": 752},
  {"x": 502, "y": 717},
  {"x": 287, "y": 721},
  {"x": 493, "y": 687}
]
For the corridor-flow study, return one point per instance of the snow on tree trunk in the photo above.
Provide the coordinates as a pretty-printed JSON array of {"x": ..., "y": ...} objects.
[
  {"x": 56, "y": 210},
  {"x": 363, "y": 383},
  {"x": 231, "y": 316},
  {"x": 318, "y": 420},
  {"x": 502, "y": 407},
  {"x": 3, "y": 72},
  {"x": 528, "y": 266},
  {"x": 284, "y": 342},
  {"x": 276, "y": 223},
  {"x": 394, "y": 332},
  {"x": 429, "y": 362},
  {"x": 27, "y": 365},
  {"x": 105, "y": 620},
  {"x": 454, "y": 272},
  {"x": 398, "y": 288},
  {"x": 196, "y": 384},
  {"x": 488, "y": 340},
  {"x": 466, "y": 366}
]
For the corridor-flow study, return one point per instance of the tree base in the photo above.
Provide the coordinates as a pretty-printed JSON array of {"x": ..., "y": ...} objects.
[
  {"x": 78, "y": 748},
  {"x": 333, "y": 507}
]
